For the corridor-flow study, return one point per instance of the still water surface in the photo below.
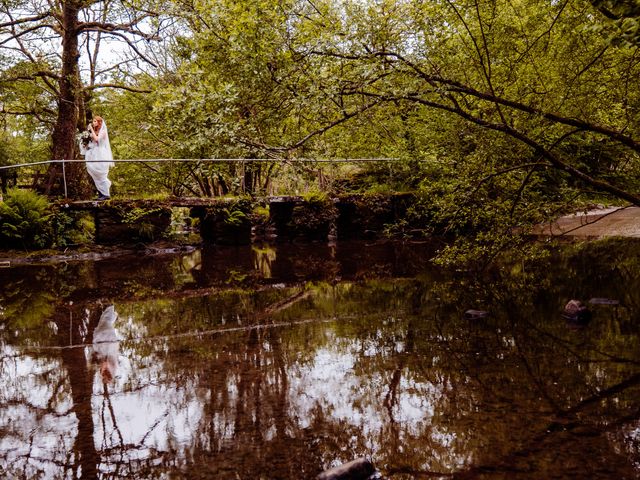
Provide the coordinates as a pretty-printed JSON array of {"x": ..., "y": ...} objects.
[{"x": 280, "y": 362}]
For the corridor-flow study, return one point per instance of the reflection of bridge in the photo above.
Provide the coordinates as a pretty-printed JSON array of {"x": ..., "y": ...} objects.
[
  {"x": 239, "y": 220},
  {"x": 144, "y": 274}
]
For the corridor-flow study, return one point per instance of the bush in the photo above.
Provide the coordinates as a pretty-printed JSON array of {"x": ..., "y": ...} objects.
[
  {"x": 72, "y": 228},
  {"x": 25, "y": 220}
]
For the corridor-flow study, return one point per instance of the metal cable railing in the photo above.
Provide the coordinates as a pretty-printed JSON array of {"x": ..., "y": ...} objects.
[
  {"x": 242, "y": 161},
  {"x": 212, "y": 160}
]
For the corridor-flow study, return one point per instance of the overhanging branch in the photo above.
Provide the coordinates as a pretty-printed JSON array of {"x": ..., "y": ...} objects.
[
  {"x": 21, "y": 21},
  {"x": 458, "y": 87},
  {"x": 537, "y": 147},
  {"x": 346, "y": 116},
  {"x": 131, "y": 44},
  {"x": 121, "y": 27},
  {"x": 96, "y": 86}
]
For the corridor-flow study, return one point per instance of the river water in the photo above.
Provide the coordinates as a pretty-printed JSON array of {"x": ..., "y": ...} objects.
[{"x": 277, "y": 362}]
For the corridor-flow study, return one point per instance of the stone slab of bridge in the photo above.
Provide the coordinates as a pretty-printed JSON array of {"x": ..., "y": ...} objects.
[{"x": 243, "y": 220}]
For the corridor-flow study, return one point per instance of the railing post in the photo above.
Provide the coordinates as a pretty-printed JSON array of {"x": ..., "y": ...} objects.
[
  {"x": 243, "y": 178},
  {"x": 64, "y": 179}
]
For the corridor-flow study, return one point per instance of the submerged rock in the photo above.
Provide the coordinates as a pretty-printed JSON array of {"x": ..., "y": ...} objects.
[
  {"x": 358, "y": 469},
  {"x": 474, "y": 314},
  {"x": 604, "y": 301},
  {"x": 576, "y": 311}
]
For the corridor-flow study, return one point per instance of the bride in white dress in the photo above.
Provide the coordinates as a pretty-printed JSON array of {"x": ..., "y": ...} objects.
[{"x": 99, "y": 148}]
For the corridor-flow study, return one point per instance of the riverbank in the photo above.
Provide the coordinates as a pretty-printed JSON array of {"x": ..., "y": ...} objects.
[{"x": 596, "y": 223}]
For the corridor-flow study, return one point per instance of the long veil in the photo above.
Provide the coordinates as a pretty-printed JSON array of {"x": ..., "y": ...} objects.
[
  {"x": 99, "y": 159},
  {"x": 104, "y": 152}
]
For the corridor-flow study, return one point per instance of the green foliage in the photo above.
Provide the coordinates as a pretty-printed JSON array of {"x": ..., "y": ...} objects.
[
  {"x": 25, "y": 220},
  {"x": 34, "y": 94},
  {"x": 25, "y": 303},
  {"x": 72, "y": 229},
  {"x": 261, "y": 211},
  {"x": 137, "y": 214},
  {"x": 316, "y": 198},
  {"x": 23, "y": 138},
  {"x": 7, "y": 176},
  {"x": 623, "y": 18},
  {"x": 251, "y": 76},
  {"x": 234, "y": 217},
  {"x": 499, "y": 114},
  {"x": 234, "y": 212}
]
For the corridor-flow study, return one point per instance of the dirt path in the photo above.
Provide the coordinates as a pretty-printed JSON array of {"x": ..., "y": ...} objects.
[{"x": 598, "y": 223}]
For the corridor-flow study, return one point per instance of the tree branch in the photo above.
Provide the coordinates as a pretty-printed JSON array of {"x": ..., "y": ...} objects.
[
  {"x": 122, "y": 27},
  {"x": 95, "y": 86},
  {"x": 22, "y": 21},
  {"x": 518, "y": 135},
  {"x": 459, "y": 87},
  {"x": 131, "y": 44},
  {"x": 31, "y": 76},
  {"x": 538, "y": 148},
  {"x": 346, "y": 116}
]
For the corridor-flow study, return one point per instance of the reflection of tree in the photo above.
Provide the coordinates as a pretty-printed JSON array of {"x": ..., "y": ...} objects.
[
  {"x": 249, "y": 424},
  {"x": 521, "y": 376},
  {"x": 487, "y": 382},
  {"x": 61, "y": 397},
  {"x": 24, "y": 301},
  {"x": 81, "y": 388}
]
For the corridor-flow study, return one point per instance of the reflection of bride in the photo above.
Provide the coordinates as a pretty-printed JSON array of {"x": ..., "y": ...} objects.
[
  {"x": 106, "y": 344},
  {"x": 99, "y": 148}
]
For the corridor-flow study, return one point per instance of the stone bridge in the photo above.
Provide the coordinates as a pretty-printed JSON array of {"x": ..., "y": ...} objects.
[{"x": 239, "y": 221}]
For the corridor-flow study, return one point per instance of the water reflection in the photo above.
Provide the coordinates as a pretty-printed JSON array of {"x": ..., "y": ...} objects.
[
  {"x": 273, "y": 363},
  {"x": 106, "y": 345}
]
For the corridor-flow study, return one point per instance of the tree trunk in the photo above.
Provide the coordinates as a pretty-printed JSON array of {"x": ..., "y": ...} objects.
[{"x": 69, "y": 105}]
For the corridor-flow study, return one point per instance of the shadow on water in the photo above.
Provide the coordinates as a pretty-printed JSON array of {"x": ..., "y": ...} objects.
[{"x": 278, "y": 363}]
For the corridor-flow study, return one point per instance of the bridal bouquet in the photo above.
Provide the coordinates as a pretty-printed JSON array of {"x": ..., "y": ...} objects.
[{"x": 84, "y": 138}]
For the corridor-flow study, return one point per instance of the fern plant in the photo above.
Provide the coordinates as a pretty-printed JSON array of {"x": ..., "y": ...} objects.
[{"x": 25, "y": 220}]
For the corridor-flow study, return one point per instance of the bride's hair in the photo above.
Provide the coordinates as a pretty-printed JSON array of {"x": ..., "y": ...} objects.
[{"x": 99, "y": 119}]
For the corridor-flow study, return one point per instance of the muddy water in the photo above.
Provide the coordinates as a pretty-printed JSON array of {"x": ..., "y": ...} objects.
[{"x": 280, "y": 362}]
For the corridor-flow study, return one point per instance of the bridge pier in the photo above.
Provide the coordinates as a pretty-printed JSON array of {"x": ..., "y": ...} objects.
[
  {"x": 120, "y": 224},
  {"x": 366, "y": 216},
  {"x": 295, "y": 218},
  {"x": 226, "y": 223}
]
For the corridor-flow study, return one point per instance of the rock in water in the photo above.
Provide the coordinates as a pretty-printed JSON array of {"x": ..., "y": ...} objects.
[
  {"x": 576, "y": 311},
  {"x": 474, "y": 314},
  {"x": 604, "y": 301},
  {"x": 358, "y": 469}
]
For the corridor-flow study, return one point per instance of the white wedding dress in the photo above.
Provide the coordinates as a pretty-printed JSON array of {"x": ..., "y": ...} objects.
[{"x": 100, "y": 150}]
